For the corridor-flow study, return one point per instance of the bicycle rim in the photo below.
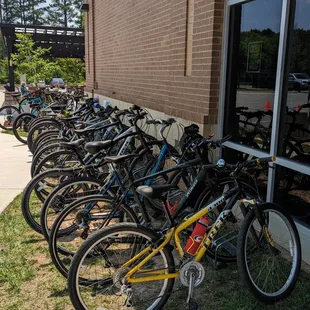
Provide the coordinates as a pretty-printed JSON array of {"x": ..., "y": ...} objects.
[
  {"x": 101, "y": 265},
  {"x": 271, "y": 271}
]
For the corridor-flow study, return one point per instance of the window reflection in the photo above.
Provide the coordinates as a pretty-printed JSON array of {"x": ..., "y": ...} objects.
[
  {"x": 293, "y": 192},
  {"x": 259, "y": 177},
  {"x": 294, "y": 142},
  {"x": 253, "y": 49}
]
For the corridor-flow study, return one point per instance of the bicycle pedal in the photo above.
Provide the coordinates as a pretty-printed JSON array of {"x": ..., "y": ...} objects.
[{"x": 84, "y": 234}]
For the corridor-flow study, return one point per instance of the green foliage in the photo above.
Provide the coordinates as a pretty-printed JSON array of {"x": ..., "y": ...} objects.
[
  {"x": 71, "y": 70},
  {"x": 269, "y": 55},
  {"x": 9, "y": 11},
  {"x": 32, "y": 61},
  {"x": 35, "y": 63},
  {"x": 32, "y": 12},
  {"x": 4, "y": 69},
  {"x": 65, "y": 13}
]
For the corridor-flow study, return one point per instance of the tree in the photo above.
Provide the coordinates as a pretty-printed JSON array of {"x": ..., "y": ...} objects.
[
  {"x": 71, "y": 70},
  {"x": 9, "y": 11},
  {"x": 33, "y": 61},
  {"x": 32, "y": 12},
  {"x": 36, "y": 64},
  {"x": 64, "y": 13}
]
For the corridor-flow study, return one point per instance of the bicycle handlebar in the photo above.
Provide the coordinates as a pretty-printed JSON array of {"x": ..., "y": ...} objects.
[
  {"x": 257, "y": 162},
  {"x": 167, "y": 122}
]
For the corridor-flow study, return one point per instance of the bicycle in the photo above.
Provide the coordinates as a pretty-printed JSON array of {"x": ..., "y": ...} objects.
[
  {"x": 137, "y": 267},
  {"x": 11, "y": 112}
]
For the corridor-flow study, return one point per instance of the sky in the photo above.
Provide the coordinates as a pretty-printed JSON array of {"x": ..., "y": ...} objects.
[{"x": 262, "y": 14}]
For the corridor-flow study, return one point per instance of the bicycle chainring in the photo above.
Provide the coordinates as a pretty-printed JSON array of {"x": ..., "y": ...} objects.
[{"x": 189, "y": 268}]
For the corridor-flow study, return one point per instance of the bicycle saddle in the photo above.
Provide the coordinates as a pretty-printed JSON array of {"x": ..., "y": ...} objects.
[
  {"x": 72, "y": 145},
  {"x": 155, "y": 191},
  {"x": 118, "y": 159},
  {"x": 95, "y": 147}
]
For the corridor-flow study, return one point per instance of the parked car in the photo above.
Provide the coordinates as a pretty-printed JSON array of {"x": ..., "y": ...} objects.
[
  {"x": 41, "y": 84},
  {"x": 298, "y": 81},
  {"x": 57, "y": 82}
]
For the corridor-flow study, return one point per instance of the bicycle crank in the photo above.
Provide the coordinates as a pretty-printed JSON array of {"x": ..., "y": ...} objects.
[{"x": 191, "y": 275}]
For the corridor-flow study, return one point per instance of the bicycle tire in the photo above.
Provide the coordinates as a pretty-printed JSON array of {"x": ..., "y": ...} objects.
[
  {"x": 54, "y": 142},
  {"x": 40, "y": 155},
  {"x": 42, "y": 137},
  {"x": 59, "y": 254},
  {"x": 57, "y": 192},
  {"x": 37, "y": 127},
  {"x": 244, "y": 263},
  {"x": 17, "y": 124},
  {"x": 6, "y": 110},
  {"x": 74, "y": 281},
  {"x": 39, "y": 187},
  {"x": 55, "y": 156}
]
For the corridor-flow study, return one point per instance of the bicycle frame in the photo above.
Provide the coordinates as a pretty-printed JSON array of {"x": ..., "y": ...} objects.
[{"x": 174, "y": 232}]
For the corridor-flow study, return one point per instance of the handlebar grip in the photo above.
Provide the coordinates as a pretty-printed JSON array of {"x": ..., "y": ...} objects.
[
  {"x": 240, "y": 109},
  {"x": 307, "y": 105},
  {"x": 152, "y": 122},
  {"x": 265, "y": 160},
  {"x": 135, "y": 108},
  {"x": 121, "y": 112},
  {"x": 258, "y": 162},
  {"x": 170, "y": 121}
]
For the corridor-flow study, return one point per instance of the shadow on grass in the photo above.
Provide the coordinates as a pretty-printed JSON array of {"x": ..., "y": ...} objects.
[
  {"x": 61, "y": 293},
  {"x": 32, "y": 241},
  {"x": 46, "y": 265}
]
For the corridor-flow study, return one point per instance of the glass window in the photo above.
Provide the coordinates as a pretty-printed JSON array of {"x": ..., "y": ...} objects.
[
  {"x": 293, "y": 192},
  {"x": 258, "y": 178},
  {"x": 294, "y": 133},
  {"x": 251, "y": 72}
]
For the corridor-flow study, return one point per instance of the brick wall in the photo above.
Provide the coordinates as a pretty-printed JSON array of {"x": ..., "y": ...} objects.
[{"x": 140, "y": 55}]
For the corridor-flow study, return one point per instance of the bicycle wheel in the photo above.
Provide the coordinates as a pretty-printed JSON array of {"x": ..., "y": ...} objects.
[
  {"x": 78, "y": 221},
  {"x": 54, "y": 142},
  {"x": 43, "y": 137},
  {"x": 63, "y": 195},
  {"x": 269, "y": 259},
  {"x": 21, "y": 126},
  {"x": 40, "y": 155},
  {"x": 38, "y": 127},
  {"x": 36, "y": 192},
  {"x": 59, "y": 159},
  {"x": 98, "y": 263},
  {"x": 7, "y": 116}
]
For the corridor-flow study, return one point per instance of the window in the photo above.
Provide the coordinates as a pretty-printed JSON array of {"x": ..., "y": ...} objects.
[
  {"x": 294, "y": 133},
  {"x": 251, "y": 73},
  {"x": 292, "y": 191}
]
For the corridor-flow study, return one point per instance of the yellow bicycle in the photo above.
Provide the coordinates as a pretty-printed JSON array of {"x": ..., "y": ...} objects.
[{"x": 131, "y": 266}]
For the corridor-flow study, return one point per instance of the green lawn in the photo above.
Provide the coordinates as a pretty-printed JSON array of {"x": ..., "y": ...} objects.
[
  {"x": 29, "y": 281},
  {"x": 10, "y": 132}
]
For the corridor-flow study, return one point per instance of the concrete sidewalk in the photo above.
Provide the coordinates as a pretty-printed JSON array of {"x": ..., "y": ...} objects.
[{"x": 14, "y": 168}]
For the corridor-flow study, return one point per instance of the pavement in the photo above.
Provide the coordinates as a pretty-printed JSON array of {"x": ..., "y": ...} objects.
[
  {"x": 1, "y": 97},
  {"x": 14, "y": 168},
  {"x": 257, "y": 100}
]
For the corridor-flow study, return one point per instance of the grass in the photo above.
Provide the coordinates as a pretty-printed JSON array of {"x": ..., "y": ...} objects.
[
  {"x": 10, "y": 132},
  {"x": 28, "y": 280}
]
